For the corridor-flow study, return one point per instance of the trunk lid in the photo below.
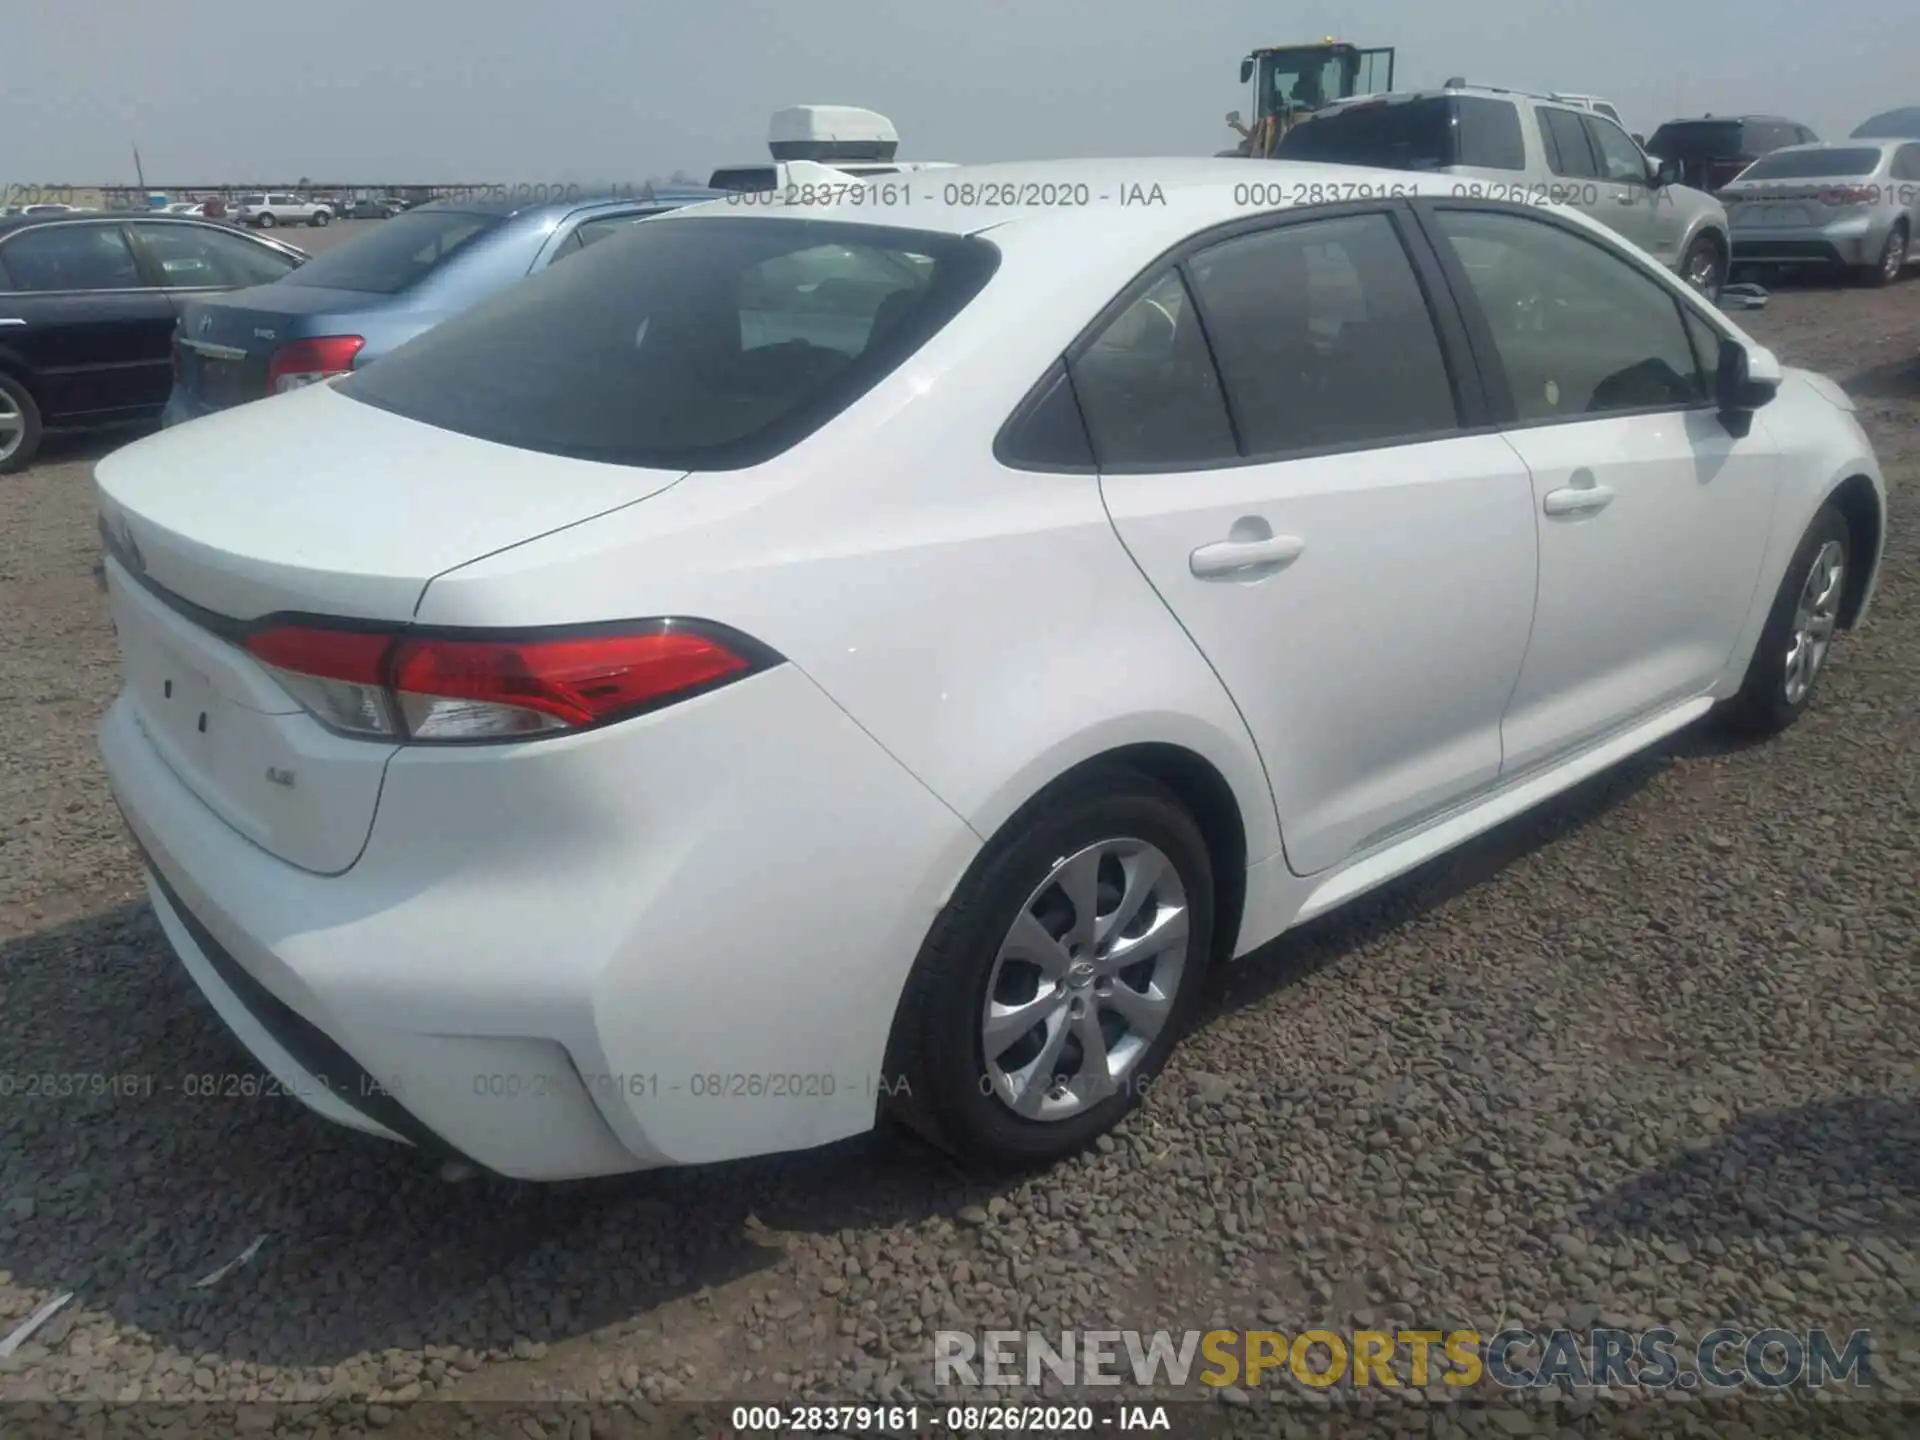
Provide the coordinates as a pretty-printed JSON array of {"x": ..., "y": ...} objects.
[
  {"x": 310, "y": 503},
  {"x": 225, "y": 341}
]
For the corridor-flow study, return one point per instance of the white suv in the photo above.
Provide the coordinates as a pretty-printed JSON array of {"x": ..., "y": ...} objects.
[
  {"x": 1536, "y": 149},
  {"x": 264, "y": 211}
]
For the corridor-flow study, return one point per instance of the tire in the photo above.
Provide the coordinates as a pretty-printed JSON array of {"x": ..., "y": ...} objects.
[
  {"x": 1110, "y": 823},
  {"x": 320, "y": 217},
  {"x": 266, "y": 222},
  {"x": 1892, "y": 263},
  {"x": 20, "y": 428},
  {"x": 1769, "y": 701},
  {"x": 1705, "y": 267}
]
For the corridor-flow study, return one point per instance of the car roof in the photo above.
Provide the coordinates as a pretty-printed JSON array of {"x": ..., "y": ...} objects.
[
  {"x": 511, "y": 207},
  {"x": 1862, "y": 143},
  {"x": 11, "y": 223},
  {"x": 1731, "y": 120}
]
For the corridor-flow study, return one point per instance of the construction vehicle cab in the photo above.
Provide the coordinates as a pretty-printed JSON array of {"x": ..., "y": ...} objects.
[{"x": 1290, "y": 81}]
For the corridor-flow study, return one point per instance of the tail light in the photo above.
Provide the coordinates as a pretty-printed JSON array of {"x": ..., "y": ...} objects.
[
  {"x": 473, "y": 685},
  {"x": 1849, "y": 195},
  {"x": 308, "y": 362}
]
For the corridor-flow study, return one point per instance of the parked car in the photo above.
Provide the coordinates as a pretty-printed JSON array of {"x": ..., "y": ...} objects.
[
  {"x": 88, "y": 307},
  {"x": 1708, "y": 152},
  {"x": 376, "y": 207},
  {"x": 359, "y": 300},
  {"x": 656, "y": 642},
  {"x": 1507, "y": 144},
  {"x": 1593, "y": 103},
  {"x": 1901, "y": 124},
  {"x": 1855, "y": 203},
  {"x": 263, "y": 211}
]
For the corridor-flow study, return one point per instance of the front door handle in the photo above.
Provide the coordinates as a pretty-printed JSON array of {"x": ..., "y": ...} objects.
[
  {"x": 1578, "y": 499},
  {"x": 1226, "y": 558}
]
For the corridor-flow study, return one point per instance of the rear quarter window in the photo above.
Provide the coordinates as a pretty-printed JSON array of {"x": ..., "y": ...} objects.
[
  {"x": 697, "y": 343},
  {"x": 1488, "y": 133}
]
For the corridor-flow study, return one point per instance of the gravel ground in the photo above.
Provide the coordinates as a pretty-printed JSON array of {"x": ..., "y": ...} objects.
[{"x": 1644, "y": 1057}]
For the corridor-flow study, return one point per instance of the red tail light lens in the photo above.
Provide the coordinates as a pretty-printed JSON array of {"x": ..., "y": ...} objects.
[
  {"x": 308, "y": 362},
  {"x": 1849, "y": 195},
  {"x": 464, "y": 688}
]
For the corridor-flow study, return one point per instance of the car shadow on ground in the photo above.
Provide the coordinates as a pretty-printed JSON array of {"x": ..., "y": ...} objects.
[
  {"x": 66, "y": 447},
  {"x": 140, "y": 1193},
  {"x": 1895, "y": 380},
  {"x": 1813, "y": 1169}
]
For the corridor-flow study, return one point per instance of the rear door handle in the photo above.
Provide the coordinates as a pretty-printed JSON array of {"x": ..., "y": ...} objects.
[
  {"x": 1236, "y": 557},
  {"x": 1578, "y": 499}
]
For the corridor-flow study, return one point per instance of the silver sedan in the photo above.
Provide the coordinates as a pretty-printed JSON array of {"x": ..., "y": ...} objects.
[{"x": 1853, "y": 203}]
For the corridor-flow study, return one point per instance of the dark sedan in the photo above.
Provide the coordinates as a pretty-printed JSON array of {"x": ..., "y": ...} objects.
[
  {"x": 379, "y": 290},
  {"x": 88, "y": 307}
]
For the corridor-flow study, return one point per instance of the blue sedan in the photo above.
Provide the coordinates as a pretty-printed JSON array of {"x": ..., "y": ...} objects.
[{"x": 355, "y": 303}]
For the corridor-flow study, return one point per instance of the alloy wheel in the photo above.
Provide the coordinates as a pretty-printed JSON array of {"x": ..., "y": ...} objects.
[
  {"x": 1085, "y": 979},
  {"x": 1894, "y": 258},
  {"x": 1703, "y": 271},
  {"x": 13, "y": 426},
  {"x": 1814, "y": 618}
]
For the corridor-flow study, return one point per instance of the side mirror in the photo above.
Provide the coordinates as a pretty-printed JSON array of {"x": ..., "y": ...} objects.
[
  {"x": 1748, "y": 379},
  {"x": 1662, "y": 173},
  {"x": 1246, "y": 70}
]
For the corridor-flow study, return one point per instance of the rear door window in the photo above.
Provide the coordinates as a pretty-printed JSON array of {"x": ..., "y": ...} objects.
[
  {"x": 400, "y": 253},
  {"x": 201, "y": 256},
  {"x": 697, "y": 343},
  {"x": 1324, "y": 337}
]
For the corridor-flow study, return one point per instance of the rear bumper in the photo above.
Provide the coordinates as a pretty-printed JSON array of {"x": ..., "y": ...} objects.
[
  {"x": 1851, "y": 242},
  {"x": 655, "y": 944}
]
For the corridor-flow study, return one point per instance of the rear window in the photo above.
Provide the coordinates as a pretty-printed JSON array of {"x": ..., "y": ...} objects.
[
  {"x": 1429, "y": 133},
  {"x": 1813, "y": 164},
  {"x": 1698, "y": 139},
  {"x": 402, "y": 252},
  {"x": 695, "y": 343}
]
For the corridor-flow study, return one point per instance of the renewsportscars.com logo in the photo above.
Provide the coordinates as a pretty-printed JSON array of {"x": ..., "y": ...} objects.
[{"x": 1510, "y": 1359}]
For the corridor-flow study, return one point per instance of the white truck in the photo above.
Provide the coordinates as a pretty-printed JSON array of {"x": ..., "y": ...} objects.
[
  {"x": 265, "y": 210},
  {"x": 855, "y": 142}
]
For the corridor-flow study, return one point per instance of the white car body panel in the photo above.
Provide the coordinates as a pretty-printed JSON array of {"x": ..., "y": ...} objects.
[{"x": 553, "y": 954}]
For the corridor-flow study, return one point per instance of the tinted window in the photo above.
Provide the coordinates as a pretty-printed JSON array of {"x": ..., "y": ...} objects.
[
  {"x": 1391, "y": 134},
  {"x": 72, "y": 257},
  {"x": 1568, "y": 151},
  {"x": 1620, "y": 157},
  {"x": 1608, "y": 111},
  {"x": 1813, "y": 164},
  {"x": 200, "y": 255},
  {"x": 252, "y": 200},
  {"x": 1148, "y": 387},
  {"x": 1696, "y": 139},
  {"x": 747, "y": 180},
  {"x": 700, "y": 343},
  {"x": 1488, "y": 133},
  {"x": 1580, "y": 331},
  {"x": 1047, "y": 432},
  {"x": 402, "y": 252},
  {"x": 1323, "y": 336},
  {"x": 593, "y": 230}
]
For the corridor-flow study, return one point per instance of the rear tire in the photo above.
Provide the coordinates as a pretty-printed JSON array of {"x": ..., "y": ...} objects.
[
  {"x": 20, "y": 428},
  {"x": 1797, "y": 639},
  {"x": 266, "y": 222},
  {"x": 1892, "y": 263},
  {"x": 1111, "y": 832},
  {"x": 321, "y": 217}
]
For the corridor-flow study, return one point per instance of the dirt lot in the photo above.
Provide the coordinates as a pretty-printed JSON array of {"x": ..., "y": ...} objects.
[{"x": 1646, "y": 1057}]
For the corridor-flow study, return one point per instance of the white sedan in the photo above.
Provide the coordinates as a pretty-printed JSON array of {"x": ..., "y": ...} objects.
[{"x": 783, "y": 665}]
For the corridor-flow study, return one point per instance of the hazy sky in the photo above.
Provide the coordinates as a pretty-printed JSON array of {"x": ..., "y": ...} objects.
[{"x": 508, "y": 91}]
